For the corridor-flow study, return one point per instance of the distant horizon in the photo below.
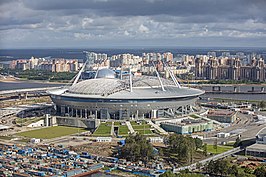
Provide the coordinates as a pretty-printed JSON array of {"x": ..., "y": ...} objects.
[
  {"x": 140, "y": 47},
  {"x": 134, "y": 24}
]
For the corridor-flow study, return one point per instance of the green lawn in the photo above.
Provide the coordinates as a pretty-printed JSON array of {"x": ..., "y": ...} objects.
[
  {"x": 220, "y": 149},
  {"x": 123, "y": 130},
  {"x": 117, "y": 123},
  {"x": 146, "y": 131},
  {"x": 51, "y": 132},
  {"x": 104, "y": 129},
  {"x": 27, "y": 121},
  {"x": 146, "y": 126},
  {"x": 194, "y": 116},
  {"x": 5, "y": 137},
  {"x": 140, "y": 127}
]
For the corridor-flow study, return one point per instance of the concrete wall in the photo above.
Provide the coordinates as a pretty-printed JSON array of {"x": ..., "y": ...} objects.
[
  {"x": 37, "y": 124},
  {"x": 187, "y": 129},
  {"x": 78, "y": 122}
]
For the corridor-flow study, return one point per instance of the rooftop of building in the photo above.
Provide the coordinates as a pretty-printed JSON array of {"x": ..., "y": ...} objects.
[
  {"x": 105, "y": 85},
  {"x": 257, "y": 147},
  {"x": 187, "y": 121},
  {"x": 220, "y": 113}
]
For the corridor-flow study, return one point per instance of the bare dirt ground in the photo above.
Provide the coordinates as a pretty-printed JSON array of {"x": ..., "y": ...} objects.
[{"x": 102, "y": 149}]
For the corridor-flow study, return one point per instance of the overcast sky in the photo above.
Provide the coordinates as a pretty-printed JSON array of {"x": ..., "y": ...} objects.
[{"x": 120, "y": 23}]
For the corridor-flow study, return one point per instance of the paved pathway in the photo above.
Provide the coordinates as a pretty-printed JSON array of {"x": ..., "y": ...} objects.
[
  {"x": 157, "y": 127},
  {"x": 216, "y": 157},
  {"x": 129, "y": 126},
  {"x": 112, "y": 129}
]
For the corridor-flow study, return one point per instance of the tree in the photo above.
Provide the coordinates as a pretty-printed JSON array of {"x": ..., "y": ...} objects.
[
  {"x": 168, "y": 174},
  {"x": 183, "y": 146},
  {"x": 205, "y": 150},
  {"x": 137, "y": 148},
  {"x": 219, "y": 167},
  {"x": 215, "y": 145},
  {"x": 260, "y": 171},
  {"x": 238, "y": 142},
  {"x": 211, "y": 167},
  {"x": 248, "y": 170},
  {"x": 198, "y": 143},
  {"x": 262, "y": 104},
  {"x": 233, "y": 170}
]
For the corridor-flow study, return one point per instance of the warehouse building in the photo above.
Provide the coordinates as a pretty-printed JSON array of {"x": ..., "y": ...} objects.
[{"x": 188, "y": 126}]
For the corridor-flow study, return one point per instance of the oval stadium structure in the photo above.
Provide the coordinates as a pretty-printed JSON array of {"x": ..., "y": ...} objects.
[{"x": 108, "y": 97}]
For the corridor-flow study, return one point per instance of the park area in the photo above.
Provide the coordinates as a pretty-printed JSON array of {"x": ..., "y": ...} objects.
[
  {"x": 51, "y": 132},
  {"x": 142, "y": 127},
  {"x": 122, "y": 128},
  {"x": 104, "y": 129},
  {"x": 220, "y": 149}
]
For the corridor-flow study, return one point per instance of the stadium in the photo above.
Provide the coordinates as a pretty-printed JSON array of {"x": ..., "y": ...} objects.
[{"x": 110, "y": 96}]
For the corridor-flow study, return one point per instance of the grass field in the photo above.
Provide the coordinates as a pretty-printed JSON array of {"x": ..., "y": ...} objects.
[
  {"x": 123, "y": 130},
  {"x": 27, "y": 121},
  {"x": 5, "y": 137},
  {"x": 140, "y": 127},
  {"x": 148, "y": 131},
  {"x": 117, "y": 123},
  {"x": 220, "y": 149},
  {"x": 194, "y": 116},
  {"x": 104, "y": 129},
  {"x": 51, "y": 132}
]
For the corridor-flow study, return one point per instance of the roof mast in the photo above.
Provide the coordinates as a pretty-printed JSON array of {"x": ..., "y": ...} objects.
[
  {"x": 172, "y": 76},
  {"x": 158, "y": 76},
  {"x": 130, "y": 80}
]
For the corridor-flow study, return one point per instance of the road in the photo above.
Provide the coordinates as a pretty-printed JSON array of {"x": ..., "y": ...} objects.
[
  {"x": 5, "y": 92},
  {"x": 246, "y": 127},
  {"x": 202, "y": 162}
]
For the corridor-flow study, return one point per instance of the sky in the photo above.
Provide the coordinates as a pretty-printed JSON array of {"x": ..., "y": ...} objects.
[{"x": 132, "y": 23}]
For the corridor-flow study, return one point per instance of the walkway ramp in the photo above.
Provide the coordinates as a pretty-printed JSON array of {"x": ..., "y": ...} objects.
[
  {"x": 205, "y": 161},
  {"x": 129, "y": 126},
  {"x": 157, "y": 127}
]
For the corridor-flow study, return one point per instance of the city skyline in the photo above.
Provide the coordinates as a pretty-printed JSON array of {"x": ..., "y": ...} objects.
[{"x": 149, "y": 23}]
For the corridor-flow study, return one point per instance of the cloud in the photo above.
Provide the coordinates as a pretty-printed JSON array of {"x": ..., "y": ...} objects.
[
  {"x": 143, "y": 29},
  {"x": 190, "y": 22},
  {"x": 82, "y": 36}
]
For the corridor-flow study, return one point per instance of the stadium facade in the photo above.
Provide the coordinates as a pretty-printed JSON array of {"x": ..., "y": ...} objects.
[{"x": 107, "y": 96}]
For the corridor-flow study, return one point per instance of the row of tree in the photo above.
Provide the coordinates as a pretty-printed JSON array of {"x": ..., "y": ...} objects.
[
  {"x": 40, "y": 74},
  {"x": 184, "y": 147},
  {"x": 137, "y": 148},
  {"x": 181, "y": 148},
  {"x": 224, "y": 168}
]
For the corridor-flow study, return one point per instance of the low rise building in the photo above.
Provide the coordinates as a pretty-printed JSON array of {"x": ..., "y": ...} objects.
[
  {"x": 156, "y": 139},
  {"x": 103, "y": 139},
  {"x": 261, "y": 139},
  {"x": 188, "y": 126},
  {"x": 223, "y": 135},
  {"x": 223, "y": 116},
  {"x": 259, "y": 148},
  {"x": 35, "y": 140}
]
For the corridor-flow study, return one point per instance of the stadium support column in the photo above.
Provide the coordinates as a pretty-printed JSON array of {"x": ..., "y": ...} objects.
[
  {"x": 81, "y": 112},
  {"x": 72, "y": 112},
  {"x": 86, "y": 113},
  {"x": 62, "y": 110},
  {"x": 154, "y": 113}
]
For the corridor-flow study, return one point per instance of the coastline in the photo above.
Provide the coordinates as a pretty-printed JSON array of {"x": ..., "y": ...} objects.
[
  {"x": 66, "y": 82},
  {"x": 31, "y": 81}
]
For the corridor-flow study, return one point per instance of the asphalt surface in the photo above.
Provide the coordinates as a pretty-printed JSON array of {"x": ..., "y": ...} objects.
[{"x": 246, "y": 127}]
